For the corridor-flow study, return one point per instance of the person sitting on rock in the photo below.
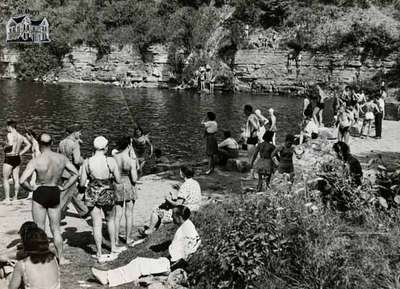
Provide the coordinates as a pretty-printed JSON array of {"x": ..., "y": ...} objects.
[
  {"x": 189, "y": 195},
  {"x": 353, "y": 166},
  {"x": 184, "y": 244},
  {"x": 309, "y": 130},
  {"x": 227, "y": 149}
]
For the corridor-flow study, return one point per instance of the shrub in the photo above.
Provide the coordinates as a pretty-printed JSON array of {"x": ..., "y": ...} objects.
[{"x": 35, "y": 62}]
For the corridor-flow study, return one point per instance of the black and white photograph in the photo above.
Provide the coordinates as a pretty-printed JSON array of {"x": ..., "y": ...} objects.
[{"x": 200, "y": 144}]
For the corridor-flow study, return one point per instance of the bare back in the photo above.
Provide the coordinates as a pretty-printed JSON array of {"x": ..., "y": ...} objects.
[
  {"x": 15, "y": 139},
  {"x": 124, "y": 162},
  {"x": 49, "y": 167}
]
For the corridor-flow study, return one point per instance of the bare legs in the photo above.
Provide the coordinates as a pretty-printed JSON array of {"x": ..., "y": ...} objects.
[
  {"x": 367, "y": 123},
  {"x": 260, "y": 181},
  {"x": 211, "y": 164},
  {"x": 16, "y": 182},
  {"x": 316, "y": 116},
  {"x": 155, "y": 221},
  {"x": 39, "y": 217},
  {"x": 7, "y": 172},
  {"x": 97, "y": 219},
  {"x": 119, "y": 210}
]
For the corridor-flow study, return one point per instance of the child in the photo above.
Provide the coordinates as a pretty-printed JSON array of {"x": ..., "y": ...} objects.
[{"x": 264, "y": 165}]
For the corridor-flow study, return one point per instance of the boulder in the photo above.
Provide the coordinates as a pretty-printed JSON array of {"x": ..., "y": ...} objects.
[{"x": 238, "y": 165}]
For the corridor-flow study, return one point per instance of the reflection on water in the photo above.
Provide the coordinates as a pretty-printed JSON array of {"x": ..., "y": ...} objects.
[{"x": 172, "y": 117}]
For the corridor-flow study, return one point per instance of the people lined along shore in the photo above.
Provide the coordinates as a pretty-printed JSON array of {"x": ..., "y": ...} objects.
[{"x": 103, "y": 185}]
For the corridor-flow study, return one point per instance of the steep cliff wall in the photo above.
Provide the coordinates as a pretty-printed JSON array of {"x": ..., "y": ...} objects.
[
  {"x": 263, "y": 69},
  {"x": 8, "y": 57},
  {"x": 122, "y": 65},
  {"x": 267, "y": 69}
]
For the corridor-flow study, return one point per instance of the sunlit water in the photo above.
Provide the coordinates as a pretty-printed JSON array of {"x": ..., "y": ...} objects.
[{"x": 172, "y": 117}]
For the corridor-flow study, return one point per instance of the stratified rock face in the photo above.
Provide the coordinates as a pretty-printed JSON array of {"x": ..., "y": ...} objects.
[
  {"x": 268, "y": 69},
  {"x": 8, "y": 57},
  {"x": 123, "y": 65}
]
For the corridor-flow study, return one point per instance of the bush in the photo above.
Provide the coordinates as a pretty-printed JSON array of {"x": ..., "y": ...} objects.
[
  {"x": 300, "y": 240},
  {"x": 35, "y": 62}
]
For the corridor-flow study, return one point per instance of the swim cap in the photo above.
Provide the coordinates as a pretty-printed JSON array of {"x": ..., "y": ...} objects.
[{"x": 100, "y": 143}]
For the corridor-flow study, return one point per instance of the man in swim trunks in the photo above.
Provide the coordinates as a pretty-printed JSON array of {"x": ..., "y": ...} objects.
[
  {"x": 12, "y": 161},
  {"x": 70, "y": 147},
  {"x": 49, "y": 167}
]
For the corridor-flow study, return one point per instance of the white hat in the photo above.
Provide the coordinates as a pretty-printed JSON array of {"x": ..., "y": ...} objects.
[
  {"x": 271, "y": 110},
  {"x": 208, "y": 67},
  {"x": 100, "y": 143},
  {"x": 257, "y": 112}
]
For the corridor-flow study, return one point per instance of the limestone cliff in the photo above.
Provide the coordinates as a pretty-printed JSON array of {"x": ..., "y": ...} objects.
[
  {"x": 267, "y": 69},
  {"x": 124, "y": 65}
]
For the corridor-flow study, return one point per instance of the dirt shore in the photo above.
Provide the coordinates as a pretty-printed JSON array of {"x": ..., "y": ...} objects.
[{"x": 222, "y": 184}]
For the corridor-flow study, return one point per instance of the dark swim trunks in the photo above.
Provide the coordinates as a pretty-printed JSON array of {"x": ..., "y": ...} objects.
[
  {"x": 321, "y": 105},
  {"x": 252, "y": 140},
  {"x": 343, "y": 130},
  {"x": 47, "y": 196},
  {"x": 13, "y": 161}
]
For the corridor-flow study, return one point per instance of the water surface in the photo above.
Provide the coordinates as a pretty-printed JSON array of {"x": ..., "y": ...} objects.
[{"x": 172, "y": 117}]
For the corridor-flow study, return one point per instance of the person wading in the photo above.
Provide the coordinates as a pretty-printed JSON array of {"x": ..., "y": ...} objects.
[
  {"x": 251, "y": 134},
  {"x": 101, "y": 171},
  {"x": 49, "y": 167},
  {"x": 12, "y": 160}
]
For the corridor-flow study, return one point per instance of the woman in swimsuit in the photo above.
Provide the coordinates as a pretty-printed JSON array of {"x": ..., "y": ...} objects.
[
  {"x": 370, "y": 108},
  {"x": 264, "y": 165},
  {"x": 211, "y": 128},
  {"x": 344, "y": 122},
  {"x": 38, "y": 260},
  {"x": 285, "y": 153},
  {"x": 100, "y": 171},
  {"x": 125, "y": 193},
  {"x": 140, "y": 144},
  {"x": 319, "y": 107}
]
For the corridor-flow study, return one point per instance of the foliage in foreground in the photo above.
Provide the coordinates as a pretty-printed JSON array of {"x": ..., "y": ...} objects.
[{"x": 283, "y": 241}]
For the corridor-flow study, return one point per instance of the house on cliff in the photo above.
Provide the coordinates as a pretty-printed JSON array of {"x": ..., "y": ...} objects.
[{"x": 24, "y": 29}]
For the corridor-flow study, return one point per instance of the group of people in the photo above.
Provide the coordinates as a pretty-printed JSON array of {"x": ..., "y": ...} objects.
[
  {"x": 352, "y": 109},
  {"x": 97, "y": 185},
  {"x": 258, "y": 138},
  {"x": 102, "y": 184}
]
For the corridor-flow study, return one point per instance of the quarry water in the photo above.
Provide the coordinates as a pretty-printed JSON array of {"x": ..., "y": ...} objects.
[{"x": 172, "y": 117}]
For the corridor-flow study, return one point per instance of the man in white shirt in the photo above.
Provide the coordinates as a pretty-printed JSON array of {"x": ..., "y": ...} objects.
[
  {"x": 227, "y": 149},
  {"x": 186, "y": 242},
  {"x": 189, "y": 195}
]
